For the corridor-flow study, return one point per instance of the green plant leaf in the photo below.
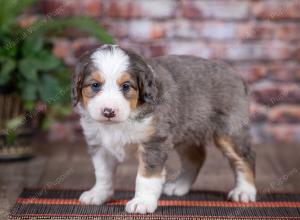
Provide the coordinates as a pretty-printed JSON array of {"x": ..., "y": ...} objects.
[
  {"x": 11, "y": 126},
  {"x": 82, "y": 23},
  {"x": 29, "y": 105},
  {"x": 46, "y": 123},
  {"x": 32, "y": 44},
  {"x": 60, "y": 110},
  {"x": 29, "y": 91},
  {"x": 20, "y": 6},
  {"x": 90, "y": 26},
  {"x": 45, "y": 60},
  {"x": 9, "y": 10},
  {"x": 6, "y": 71},
  {"x": 49, "y": 89},
  {"x": 10, "y": 137},
  {"x": 8, "y": 45},
  {"x": 28, "y": 69}
]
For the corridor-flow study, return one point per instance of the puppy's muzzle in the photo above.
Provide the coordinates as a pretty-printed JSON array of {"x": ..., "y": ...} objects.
[{"x": 109, "y": 113}]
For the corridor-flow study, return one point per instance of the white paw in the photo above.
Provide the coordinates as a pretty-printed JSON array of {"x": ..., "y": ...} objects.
[
  {"x": 141, "y": 205},
  {"x": 244, "y": 193},
  {"x": 177, "y": 188},
  {"x": 95, "y": 197}
]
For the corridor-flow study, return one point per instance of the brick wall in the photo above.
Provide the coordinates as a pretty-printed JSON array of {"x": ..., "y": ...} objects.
[{"x": 261, "y": 39}]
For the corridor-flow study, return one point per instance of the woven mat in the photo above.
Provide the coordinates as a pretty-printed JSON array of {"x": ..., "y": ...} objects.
[{"x": 63, "y": 204}]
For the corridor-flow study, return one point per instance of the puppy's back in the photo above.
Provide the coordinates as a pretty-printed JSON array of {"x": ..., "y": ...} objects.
[{"x": 210, "y": 94}]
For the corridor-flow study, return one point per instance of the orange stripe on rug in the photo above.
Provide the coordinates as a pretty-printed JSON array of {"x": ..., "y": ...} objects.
[{"x": 164, "y": 203}]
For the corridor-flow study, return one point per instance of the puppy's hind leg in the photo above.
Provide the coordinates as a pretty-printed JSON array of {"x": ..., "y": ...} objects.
[
  {"x": 192, "y": 159},
  {"x": 237, "y": 150}
]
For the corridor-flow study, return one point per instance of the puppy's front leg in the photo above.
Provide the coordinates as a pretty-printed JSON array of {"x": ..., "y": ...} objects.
[
  {"x": 105, "y": 165},
  {"x": 149, "y": 180}
]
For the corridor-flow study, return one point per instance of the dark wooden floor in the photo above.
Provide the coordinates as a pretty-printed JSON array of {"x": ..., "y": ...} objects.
[{"x": 68, "y": 165}]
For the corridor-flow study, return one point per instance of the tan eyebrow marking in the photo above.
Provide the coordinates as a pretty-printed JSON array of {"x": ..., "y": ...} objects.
[
  {"x": 87, "y": 92},
  {"x": 124, "y": 78},
  {"x": 94, "y": 77},
  {"x": 133, "y": 95}
]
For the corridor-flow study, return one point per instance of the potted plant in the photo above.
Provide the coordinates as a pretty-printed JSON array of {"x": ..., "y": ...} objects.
[{"x": 30, "y": 75}]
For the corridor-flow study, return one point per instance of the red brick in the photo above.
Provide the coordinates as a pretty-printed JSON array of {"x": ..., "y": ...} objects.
[
  {"x": 139, "y": 48},
  {"x": 91, "y": 7},
  {"x": 285, "y": 114},
  {"x": 212, "y": 30},
  {"x": 69, "y": 51},
  {"x": 258, "y": 113},
  {"x": 281, "y": 133},
  {"x": 182, "y": 28},
  {"x": 157, "y": 49},
  {"x": 71, "y": 7},
  {"x": 268, "y": 30},
  {"x": 283, "y": 72},
  {"x": 157, "y": 8},
  {"x": 219, "y": 30},
  {"x": 259, "y": 134},
  {"x": 287, "y": 31},
  {"x": 285, "y": 133},
  {"x": 61, "y": 49},
  {"x": 122, "y": 9},
  {"x": 192, "y": 47},
  {"x": 141, "y": 8},
  {"x": 258, "y": 51},
  {"x": 272, "y": 94},
  {"x": 277, "y": 71},
  {"x": 117, "y": 28},
  {"x": 297, "y": 74},
  {"x": 245, "y": 31},
  {"x": 81, "y": 45},
  {"x": 252, "y": 73},
  {"x": 47, "y": 6},
  {"x": 296, "y": 54},
  {"x": 26, "y": 21},
  {"x": 271, "y": 9},
  {"x": 221, "y": 9},
  {"x": 145, "y": 30}
]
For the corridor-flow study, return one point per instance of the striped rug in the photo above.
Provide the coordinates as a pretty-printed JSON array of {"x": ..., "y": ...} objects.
[{"x": 64, "y": 204}]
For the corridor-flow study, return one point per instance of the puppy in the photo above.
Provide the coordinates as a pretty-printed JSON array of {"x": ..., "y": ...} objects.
[{"x": 159, "y": 104}]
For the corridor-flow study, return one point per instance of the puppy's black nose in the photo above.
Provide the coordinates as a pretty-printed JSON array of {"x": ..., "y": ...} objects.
[{"x": 108, "y": 113}]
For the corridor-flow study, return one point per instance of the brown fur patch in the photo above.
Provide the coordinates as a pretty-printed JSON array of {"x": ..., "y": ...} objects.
[
  {"x": 124, "y": 78},
  {"x": 194, "y": 155},
  {"x": 142, "y": 170},
  {"x": 133, "y": 95},
  {"x": 134, "y": 99},
  {"x": 87, "y": 92},
  {"x": 239, "y": 164}
]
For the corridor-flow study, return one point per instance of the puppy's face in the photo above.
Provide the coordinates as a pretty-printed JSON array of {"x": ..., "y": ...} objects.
[{"x": 110, "y": 84}]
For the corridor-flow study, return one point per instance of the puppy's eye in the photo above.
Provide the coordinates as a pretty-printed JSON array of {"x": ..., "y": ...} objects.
[
  {"x": 125, "y": 87},
  {"x": 96, "y": 87}
]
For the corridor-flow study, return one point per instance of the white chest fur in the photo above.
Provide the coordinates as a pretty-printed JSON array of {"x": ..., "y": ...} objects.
[{"x": 116, "y": 137}]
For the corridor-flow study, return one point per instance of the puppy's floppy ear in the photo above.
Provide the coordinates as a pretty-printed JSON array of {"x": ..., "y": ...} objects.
[
  {"x": 77, "y": 79},
  {"x": 82, "y": 69},
  {"x": 147, "y": 85}
]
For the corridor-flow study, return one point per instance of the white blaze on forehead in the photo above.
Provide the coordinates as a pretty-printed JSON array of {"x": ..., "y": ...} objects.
[{"x": 112, "y": 62}]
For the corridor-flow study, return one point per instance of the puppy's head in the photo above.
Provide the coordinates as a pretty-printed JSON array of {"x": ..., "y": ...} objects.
[{"x": 111, "y": 82}]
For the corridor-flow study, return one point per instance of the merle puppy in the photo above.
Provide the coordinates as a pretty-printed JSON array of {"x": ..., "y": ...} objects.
[{"x": 155, "y": 105}]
